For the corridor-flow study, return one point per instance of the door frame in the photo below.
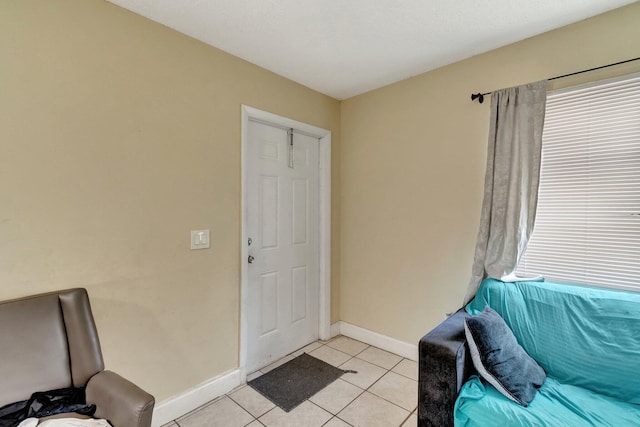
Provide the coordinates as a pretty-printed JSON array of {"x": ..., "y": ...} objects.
[{"x": 324, "y": 218}]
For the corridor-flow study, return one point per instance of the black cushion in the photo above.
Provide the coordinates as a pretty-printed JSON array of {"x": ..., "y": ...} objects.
[{"x": 500, "y": 360}]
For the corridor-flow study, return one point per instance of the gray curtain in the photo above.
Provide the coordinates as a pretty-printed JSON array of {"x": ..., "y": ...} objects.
[{"x": 511, "y": 181}]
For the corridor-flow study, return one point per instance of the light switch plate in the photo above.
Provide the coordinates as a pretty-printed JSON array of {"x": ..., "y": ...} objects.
[{"x": 200, "y": 239}]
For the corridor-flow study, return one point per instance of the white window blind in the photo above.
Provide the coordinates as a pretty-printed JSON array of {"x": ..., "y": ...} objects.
[{"x": 587, "y": 227}]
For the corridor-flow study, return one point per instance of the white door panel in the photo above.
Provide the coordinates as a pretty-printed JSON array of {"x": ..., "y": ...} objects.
[{"x": 283, "y": 280}]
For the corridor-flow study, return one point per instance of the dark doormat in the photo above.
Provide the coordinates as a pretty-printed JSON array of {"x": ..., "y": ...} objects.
[{"x": 292, "y": 383}]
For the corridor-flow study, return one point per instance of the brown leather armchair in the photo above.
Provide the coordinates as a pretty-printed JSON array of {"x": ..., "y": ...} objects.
[{"x": 49, "y": 341}]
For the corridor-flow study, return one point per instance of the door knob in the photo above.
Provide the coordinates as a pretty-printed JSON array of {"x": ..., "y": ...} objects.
[{"x": 251, "y": 259}]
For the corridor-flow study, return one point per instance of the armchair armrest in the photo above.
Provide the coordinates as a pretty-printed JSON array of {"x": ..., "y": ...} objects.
[
  {"x": 120, "y": 401},
  {"x": 444, "y": 366}
]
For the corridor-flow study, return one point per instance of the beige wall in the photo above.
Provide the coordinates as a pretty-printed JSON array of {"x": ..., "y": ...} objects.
[
  {"x": 117, "y": 137},
  {"x": 413, "y": 160}
]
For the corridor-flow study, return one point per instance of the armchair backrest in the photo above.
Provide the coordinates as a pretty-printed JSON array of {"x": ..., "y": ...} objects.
[{"x": 47, "y": 341}]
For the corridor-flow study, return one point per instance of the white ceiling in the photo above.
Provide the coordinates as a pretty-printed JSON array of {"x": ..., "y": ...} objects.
[{"x": 346, "y": 47}]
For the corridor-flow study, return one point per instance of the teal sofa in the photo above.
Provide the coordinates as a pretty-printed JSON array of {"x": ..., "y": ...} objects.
[{"x": 586, "y": 339}]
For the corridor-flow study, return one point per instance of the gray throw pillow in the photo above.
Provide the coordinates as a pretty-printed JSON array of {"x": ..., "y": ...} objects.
[{"x": 500, "y": 360}]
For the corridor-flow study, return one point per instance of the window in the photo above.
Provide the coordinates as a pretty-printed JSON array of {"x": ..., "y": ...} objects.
[{"x": 587, "y": 226}]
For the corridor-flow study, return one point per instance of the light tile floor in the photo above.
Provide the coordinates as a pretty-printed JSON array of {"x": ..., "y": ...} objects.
[{"x": 384, "y": 393}]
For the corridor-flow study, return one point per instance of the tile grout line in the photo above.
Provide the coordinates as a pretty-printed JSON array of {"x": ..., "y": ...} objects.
[
  {"x": 395, "y": 372},
  {"x": 335, "y": 416},
  {"x": 345, "y": 406},
  {"x": 325, "y": 410},
  {"x": 376, "y": 381},
  {"x": 352, "y": 355},
  {"x": 245, "y": 409},
  {"x": 272, "y": 409},
  {"x": 394, "y": 404}
]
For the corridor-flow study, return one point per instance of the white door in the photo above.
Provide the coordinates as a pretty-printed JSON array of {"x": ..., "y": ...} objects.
[{"x": 283, "y": 277}]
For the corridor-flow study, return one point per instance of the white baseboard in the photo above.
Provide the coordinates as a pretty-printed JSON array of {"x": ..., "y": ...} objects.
[
  {"x": 335, "y": 329},
  {"x": 176, "y": 406},
  {"x": 401, "y": 348}
]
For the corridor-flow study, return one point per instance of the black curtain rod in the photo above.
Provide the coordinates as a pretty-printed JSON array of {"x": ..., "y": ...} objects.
[{"x": 480, "y": 96}]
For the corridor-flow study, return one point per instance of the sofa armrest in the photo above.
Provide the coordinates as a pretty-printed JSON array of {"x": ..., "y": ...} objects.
[
  {"x": 444, "y": 366},
  {"x": 120, "y": 401}
]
